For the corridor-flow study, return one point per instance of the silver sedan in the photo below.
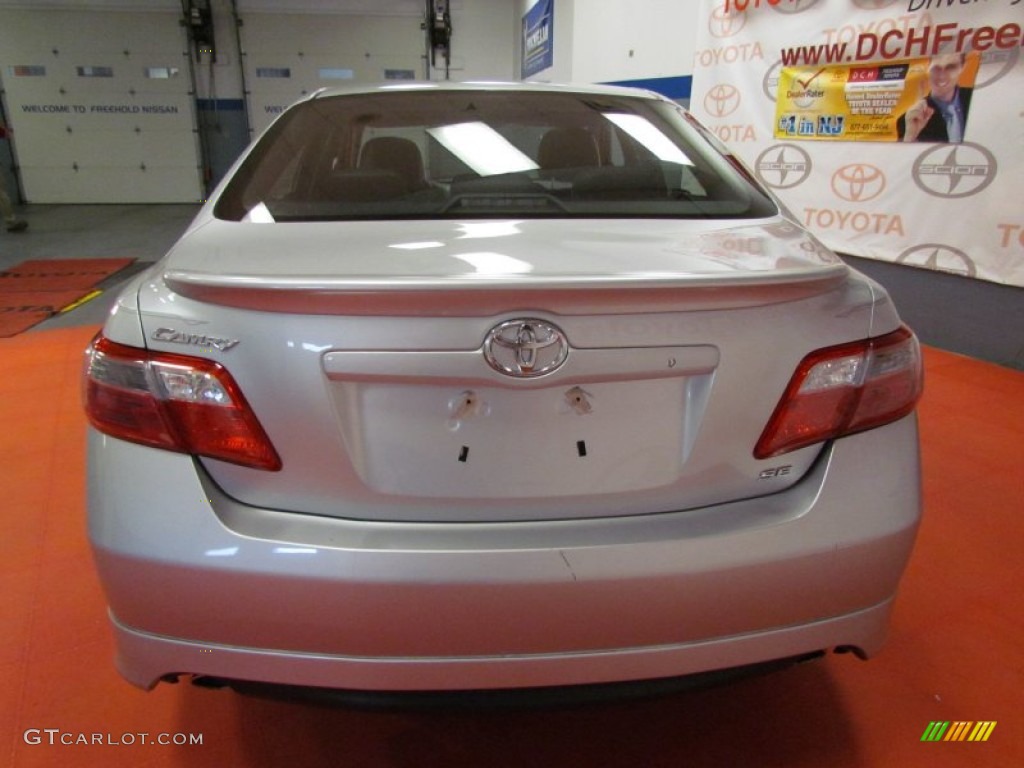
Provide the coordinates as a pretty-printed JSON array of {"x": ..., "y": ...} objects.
[{"x": 496, "y": 387}]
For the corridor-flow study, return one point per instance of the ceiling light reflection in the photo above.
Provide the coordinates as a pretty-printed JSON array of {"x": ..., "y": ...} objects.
[
  {"x": 482, "y": 148},
  {"x": 486, "y": 263},
  {"x": 225, "y": 552},
  {"x": 417, "y": 246},
  {"x": 471, "y": 231},
  {"x": 259, "y": 214},
  {"x": 294, "y": 551},
  {"x": 644, "y": 131}
]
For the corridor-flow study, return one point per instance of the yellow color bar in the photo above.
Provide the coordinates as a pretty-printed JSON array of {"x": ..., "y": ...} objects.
[{"x": 982, "y": 730}]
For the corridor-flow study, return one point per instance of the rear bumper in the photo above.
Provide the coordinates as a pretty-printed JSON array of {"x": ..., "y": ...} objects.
[
  {"x": 143, "y": 658},
  {"x": 200, "y": 584}
]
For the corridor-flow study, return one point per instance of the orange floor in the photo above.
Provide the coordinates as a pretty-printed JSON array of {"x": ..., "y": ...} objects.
[
  {"x": 35, "y": 289},
  {"x": 956, "y": 649}
]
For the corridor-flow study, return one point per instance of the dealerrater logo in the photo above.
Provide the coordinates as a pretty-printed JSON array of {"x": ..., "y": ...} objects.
[
  {"x": 804, "y": 91},
  {"x": 721, "y": 23},
  {"x": 858, "y": 182},
  {"x": 953, "y": 171},
  {"x": 722, "y": 100},
  {"x": 783, "y": 166},
  {"x": 939, "y": 257}
]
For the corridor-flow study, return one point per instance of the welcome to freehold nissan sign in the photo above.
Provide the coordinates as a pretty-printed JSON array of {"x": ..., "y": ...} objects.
[{"x": 816, "y": 97}]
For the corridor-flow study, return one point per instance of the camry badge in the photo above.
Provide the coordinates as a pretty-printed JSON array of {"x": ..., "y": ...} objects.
[
  {"x": 195, "y": 339},
  {"x": 525, "y": 348}
]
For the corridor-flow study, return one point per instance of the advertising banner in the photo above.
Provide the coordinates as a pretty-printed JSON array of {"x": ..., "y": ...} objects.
[
  {"x": 844, "y": 102},
  {"x": 538, "y": 39},
  {"x": 893, "y": 129}
]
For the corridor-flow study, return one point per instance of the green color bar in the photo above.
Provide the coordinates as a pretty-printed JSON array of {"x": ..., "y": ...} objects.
[{"x": 935, "y": 731}]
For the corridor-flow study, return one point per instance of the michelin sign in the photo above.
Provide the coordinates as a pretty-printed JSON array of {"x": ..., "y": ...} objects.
[{"x": 538, "y": 38}]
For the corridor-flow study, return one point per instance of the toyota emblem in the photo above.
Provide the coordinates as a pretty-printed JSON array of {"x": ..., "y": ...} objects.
[
  {"x": 525, "y": 348},
  {"x": 858, "y": 182}
]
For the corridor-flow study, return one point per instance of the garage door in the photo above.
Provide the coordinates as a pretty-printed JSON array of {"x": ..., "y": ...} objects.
[
  {"x": 289, "y": 55},
  {"x": 100, "y": 105}
]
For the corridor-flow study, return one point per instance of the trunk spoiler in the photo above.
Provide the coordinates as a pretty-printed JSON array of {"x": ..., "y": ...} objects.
[{"x": 475, "y": 296}]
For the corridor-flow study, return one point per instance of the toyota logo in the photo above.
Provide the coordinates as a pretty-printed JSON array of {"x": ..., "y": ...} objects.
[
  {"x": 723, "y": 99},
  {"x": 858, "y": 182},
  {"x": 722, "y": 24},
  {"x": 794, "y": 6},
  {"x": 525, "y": 348},
  {"x": 944, "y": 258},
  {"x": 960, "y": 170},
  {"x": 783, "y": 166}
]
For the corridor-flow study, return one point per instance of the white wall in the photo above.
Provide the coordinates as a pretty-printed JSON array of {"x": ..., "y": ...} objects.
[
  {"x": 635, "y": 40},
  {"x": 608, "y": 40},
  {"x": 482, "y": 48}
]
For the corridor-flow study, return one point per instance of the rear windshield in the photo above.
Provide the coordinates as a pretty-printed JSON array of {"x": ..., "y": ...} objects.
[{"x": 464, "y": 153}]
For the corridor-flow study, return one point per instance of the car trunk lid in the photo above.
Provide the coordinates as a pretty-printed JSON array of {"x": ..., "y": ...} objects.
[{"x": 361, "y": 348}]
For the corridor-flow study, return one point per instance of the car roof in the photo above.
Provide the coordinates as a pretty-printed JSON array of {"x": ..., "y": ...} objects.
[{"x": 581, "y": 88}]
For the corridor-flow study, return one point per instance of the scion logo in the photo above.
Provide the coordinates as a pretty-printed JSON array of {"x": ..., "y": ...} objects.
[
  {"x": 783, "y": 166},
  {"x": 940, "y": 257},
  {"x": 858, "y": 182},
  {"x": 873, "y": 5},
  {"x": 722, "y": 24},
  {"x": 794, "y": 6},
  {"x": 995, "y": 63},
  {"x": 771, "y": 81},
  {"x": 723, "y": 99},
  {"x": 960, "y": 170}
]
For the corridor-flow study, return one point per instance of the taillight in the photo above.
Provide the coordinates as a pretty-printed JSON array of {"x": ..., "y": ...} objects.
[
  {"x": 845, "y": 389},
  {"x": 176, "y": 402}
]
